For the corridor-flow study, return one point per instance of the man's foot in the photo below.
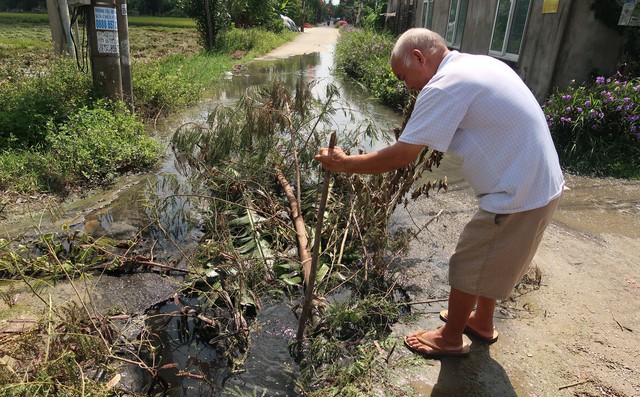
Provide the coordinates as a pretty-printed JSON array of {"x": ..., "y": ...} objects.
[
  {"x": 430, "y": 344},
  {"x": 472, "y": 330}
]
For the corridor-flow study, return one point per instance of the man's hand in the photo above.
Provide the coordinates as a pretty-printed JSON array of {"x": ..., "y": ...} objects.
[{"x": 332, "y": 159}]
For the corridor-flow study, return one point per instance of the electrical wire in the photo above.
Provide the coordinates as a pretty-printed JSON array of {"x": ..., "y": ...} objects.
[{"x": 79, "y": 14}]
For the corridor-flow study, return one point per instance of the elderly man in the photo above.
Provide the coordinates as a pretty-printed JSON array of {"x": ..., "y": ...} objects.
[{"x": 478, "y": 108}]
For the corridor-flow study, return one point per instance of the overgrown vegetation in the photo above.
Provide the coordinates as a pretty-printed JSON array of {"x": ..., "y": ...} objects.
[
  {"x": 363, "y": 55},
  {"x": 47, "y": 103},
  {"x": 256, "y": 161},
  {"x": 54, "y": 356},
  {"x": 72, "y": 349},
  {"x": 596, "y": 127}
]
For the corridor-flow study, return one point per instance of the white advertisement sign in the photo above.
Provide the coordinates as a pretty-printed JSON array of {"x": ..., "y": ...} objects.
[{"x": 107, "y": 42}]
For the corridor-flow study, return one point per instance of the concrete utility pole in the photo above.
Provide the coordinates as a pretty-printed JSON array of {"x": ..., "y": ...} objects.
[
  {"x": 104, "y": 48},
  {"x": 125, "y": 59},
  {"x": 60, "y": 25}
]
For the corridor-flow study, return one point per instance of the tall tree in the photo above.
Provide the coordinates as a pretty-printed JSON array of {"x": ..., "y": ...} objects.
[
  {"x": 211, "y": 16},
  {"x": 251, "y": 13},
  {"x": 22, "y": 5}
]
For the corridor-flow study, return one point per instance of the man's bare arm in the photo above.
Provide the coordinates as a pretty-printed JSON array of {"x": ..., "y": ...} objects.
[{"x": 388, "y": 159}]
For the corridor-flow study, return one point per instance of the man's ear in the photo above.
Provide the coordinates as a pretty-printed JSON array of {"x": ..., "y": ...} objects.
[{"x": 417, "y": 54}]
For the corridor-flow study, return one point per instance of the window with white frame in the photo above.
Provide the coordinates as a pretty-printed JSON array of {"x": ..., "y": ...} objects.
[
  {"x": 427, "y": 13},
  {"x": 455, "y": 25},
  {"x": 508, "y": 28}
]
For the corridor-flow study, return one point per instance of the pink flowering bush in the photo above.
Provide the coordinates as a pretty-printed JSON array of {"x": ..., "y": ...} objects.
[
  {"x": 340, "y": 23},
  {"x": 596, "y": 127}
]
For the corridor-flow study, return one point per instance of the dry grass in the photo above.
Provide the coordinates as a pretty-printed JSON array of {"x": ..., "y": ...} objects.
[{"x": 26, "y": 44}]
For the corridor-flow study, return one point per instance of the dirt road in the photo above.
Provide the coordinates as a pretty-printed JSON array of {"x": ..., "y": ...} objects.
[
  {"x": 572, "y": 330},
  {"x": 316, "y": 39}
]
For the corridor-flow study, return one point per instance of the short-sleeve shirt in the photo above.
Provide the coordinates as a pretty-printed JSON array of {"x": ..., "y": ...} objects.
[{"x": 478, "y": 108}]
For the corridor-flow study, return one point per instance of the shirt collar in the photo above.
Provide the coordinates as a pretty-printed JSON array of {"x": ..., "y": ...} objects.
[{"x": 446, "y": 59}]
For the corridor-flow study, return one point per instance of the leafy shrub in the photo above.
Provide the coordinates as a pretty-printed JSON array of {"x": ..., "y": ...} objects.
[
  {"x": 27, "y": 104},
  {"x": 26, "y": 171},
  {"x": 164, "y": 86},
  {"x": 210, "y": 23},
  {"x": 365, "y": 56},
  {"x": 596, "y": 127},
  {"x": 97, "y": 144}
]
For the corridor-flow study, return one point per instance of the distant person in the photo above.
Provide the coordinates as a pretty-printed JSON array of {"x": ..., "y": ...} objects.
[{"x": 478, "y": 108}]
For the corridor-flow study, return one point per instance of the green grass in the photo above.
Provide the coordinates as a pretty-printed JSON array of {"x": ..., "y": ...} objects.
[
  {"x": 255, "y": 41},
  {"x": 24, "y": 39},
  {"x": 170, "y": 72},
  {"x": 169, "y": 22},
  {"x": 19, "y": 17}
]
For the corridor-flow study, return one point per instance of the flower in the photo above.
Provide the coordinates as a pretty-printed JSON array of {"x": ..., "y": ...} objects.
[{"x": 602, "y": 113}]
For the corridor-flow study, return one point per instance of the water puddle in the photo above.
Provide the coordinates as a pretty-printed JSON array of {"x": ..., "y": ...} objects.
[
  {"x": 601, "y": 206},
  {"x": 268, "y": 366}
]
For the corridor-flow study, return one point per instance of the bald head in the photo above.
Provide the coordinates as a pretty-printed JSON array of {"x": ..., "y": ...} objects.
[{"x": 424, "y": 40}]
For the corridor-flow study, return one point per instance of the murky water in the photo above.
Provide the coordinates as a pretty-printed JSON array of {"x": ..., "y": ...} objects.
[
  {"x": 600, "y": 206},
  {"x": 268, "y": 366}
]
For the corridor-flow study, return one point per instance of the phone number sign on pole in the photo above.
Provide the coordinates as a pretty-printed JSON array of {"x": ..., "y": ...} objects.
[{"x": 106, "y": 18}]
